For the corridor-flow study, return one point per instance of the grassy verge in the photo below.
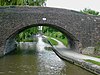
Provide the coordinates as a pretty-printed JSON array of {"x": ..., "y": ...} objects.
[
  {"x": 53, "y": 42},
  {"x": 97, "y": 56},
  {"x": 59, "y": 36},
  {"x": 94, "y": 62},
  {"x": 64, "y": 41}
]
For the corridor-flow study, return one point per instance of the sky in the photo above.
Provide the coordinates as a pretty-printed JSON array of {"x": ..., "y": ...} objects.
[{"x": 75, "y": 4}]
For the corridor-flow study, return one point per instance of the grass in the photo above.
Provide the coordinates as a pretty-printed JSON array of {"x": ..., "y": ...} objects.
[
  {"x": 53, "y": 42},
  {"x": 94, "y": 62},
  {"x": 59, "y": 36},
  {"x": 64, "y": 41},
  {"x": 97, "y": 56}
]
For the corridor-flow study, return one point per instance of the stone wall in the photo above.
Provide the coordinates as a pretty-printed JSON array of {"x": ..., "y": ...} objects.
[
  {"x": 88, "y": 51},
  {"x": 75, "y": 25},
  {"x": 10, "y": 46}
]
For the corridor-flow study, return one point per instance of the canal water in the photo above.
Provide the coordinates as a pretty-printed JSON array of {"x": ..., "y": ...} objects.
[{"x": 31, "y": 58}]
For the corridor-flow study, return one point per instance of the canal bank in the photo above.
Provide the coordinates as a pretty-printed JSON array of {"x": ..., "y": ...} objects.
[
  {"x": 86, "y": 65},
  {"x": 76, "y": 58}
]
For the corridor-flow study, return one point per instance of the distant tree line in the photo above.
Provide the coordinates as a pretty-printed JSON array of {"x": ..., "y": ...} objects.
[{"x": 27, "y": 34}]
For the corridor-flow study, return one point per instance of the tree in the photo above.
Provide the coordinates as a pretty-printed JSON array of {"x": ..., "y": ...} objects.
[
  {"x": 27, "y": 34},
  {"x": 22, "y": 2},
  {"x": 89, "y": 11}
]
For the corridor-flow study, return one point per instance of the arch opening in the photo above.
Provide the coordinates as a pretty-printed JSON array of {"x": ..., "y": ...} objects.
[{"x": 10, "y": 44}]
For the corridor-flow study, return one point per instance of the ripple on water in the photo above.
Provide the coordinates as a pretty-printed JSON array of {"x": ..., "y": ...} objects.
[{"x": 2, "y": 73}]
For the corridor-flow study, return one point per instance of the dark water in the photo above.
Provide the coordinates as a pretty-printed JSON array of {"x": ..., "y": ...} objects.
[{"x": 30, "y": 59}]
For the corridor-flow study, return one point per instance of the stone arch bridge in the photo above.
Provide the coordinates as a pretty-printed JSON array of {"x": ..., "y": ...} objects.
[{"x": 76, "y": 26}]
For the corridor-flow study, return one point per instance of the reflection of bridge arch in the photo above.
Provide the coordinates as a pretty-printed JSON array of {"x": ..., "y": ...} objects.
[{"x": 76, "y": 26}]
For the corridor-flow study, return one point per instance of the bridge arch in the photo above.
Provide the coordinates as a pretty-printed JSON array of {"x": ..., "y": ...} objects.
[
  {"x": 77, "y": 26},
  {"x": 10, "y": 43}
]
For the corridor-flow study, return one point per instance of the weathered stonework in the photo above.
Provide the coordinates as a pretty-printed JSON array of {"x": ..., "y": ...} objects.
[
  {"x": 75, "y": 25},
  {"x": 10, "y": 46}
]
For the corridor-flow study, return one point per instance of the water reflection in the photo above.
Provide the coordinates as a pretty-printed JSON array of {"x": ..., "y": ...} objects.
[{"x": 33, "y": 59}]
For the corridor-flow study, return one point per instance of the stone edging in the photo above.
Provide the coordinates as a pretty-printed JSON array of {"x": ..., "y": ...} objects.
[{"x": 83, "y": 64}]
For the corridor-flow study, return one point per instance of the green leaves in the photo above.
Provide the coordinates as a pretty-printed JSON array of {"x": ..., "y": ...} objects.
[
  {"x": 89, "y": 11},
  {"x": 22, "y": 2},
  {"x": 26, "y": 34},
  {"x": 51, "y": 32}
]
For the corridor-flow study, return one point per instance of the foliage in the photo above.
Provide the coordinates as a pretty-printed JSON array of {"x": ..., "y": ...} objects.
[
  {"x": 49, "y": 40},
  {"x": 94, "y": 62},
  {"x": 53, "y": 42},
  {"x": 27, "y": 40},
  {"x": 64, "y": 41},
  {"x": 22, "y": 2},
  {"x": 28, "y": 33},
  {"x": 97, "y": 56},
  {"x": 90, "y": 11},
  {"x": 51, "y": 32}
]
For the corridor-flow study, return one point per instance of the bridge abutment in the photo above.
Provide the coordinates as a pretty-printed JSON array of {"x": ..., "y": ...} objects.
[
  {"x": 1, "y": 51},
  {"x": 9, "y": 46}
]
